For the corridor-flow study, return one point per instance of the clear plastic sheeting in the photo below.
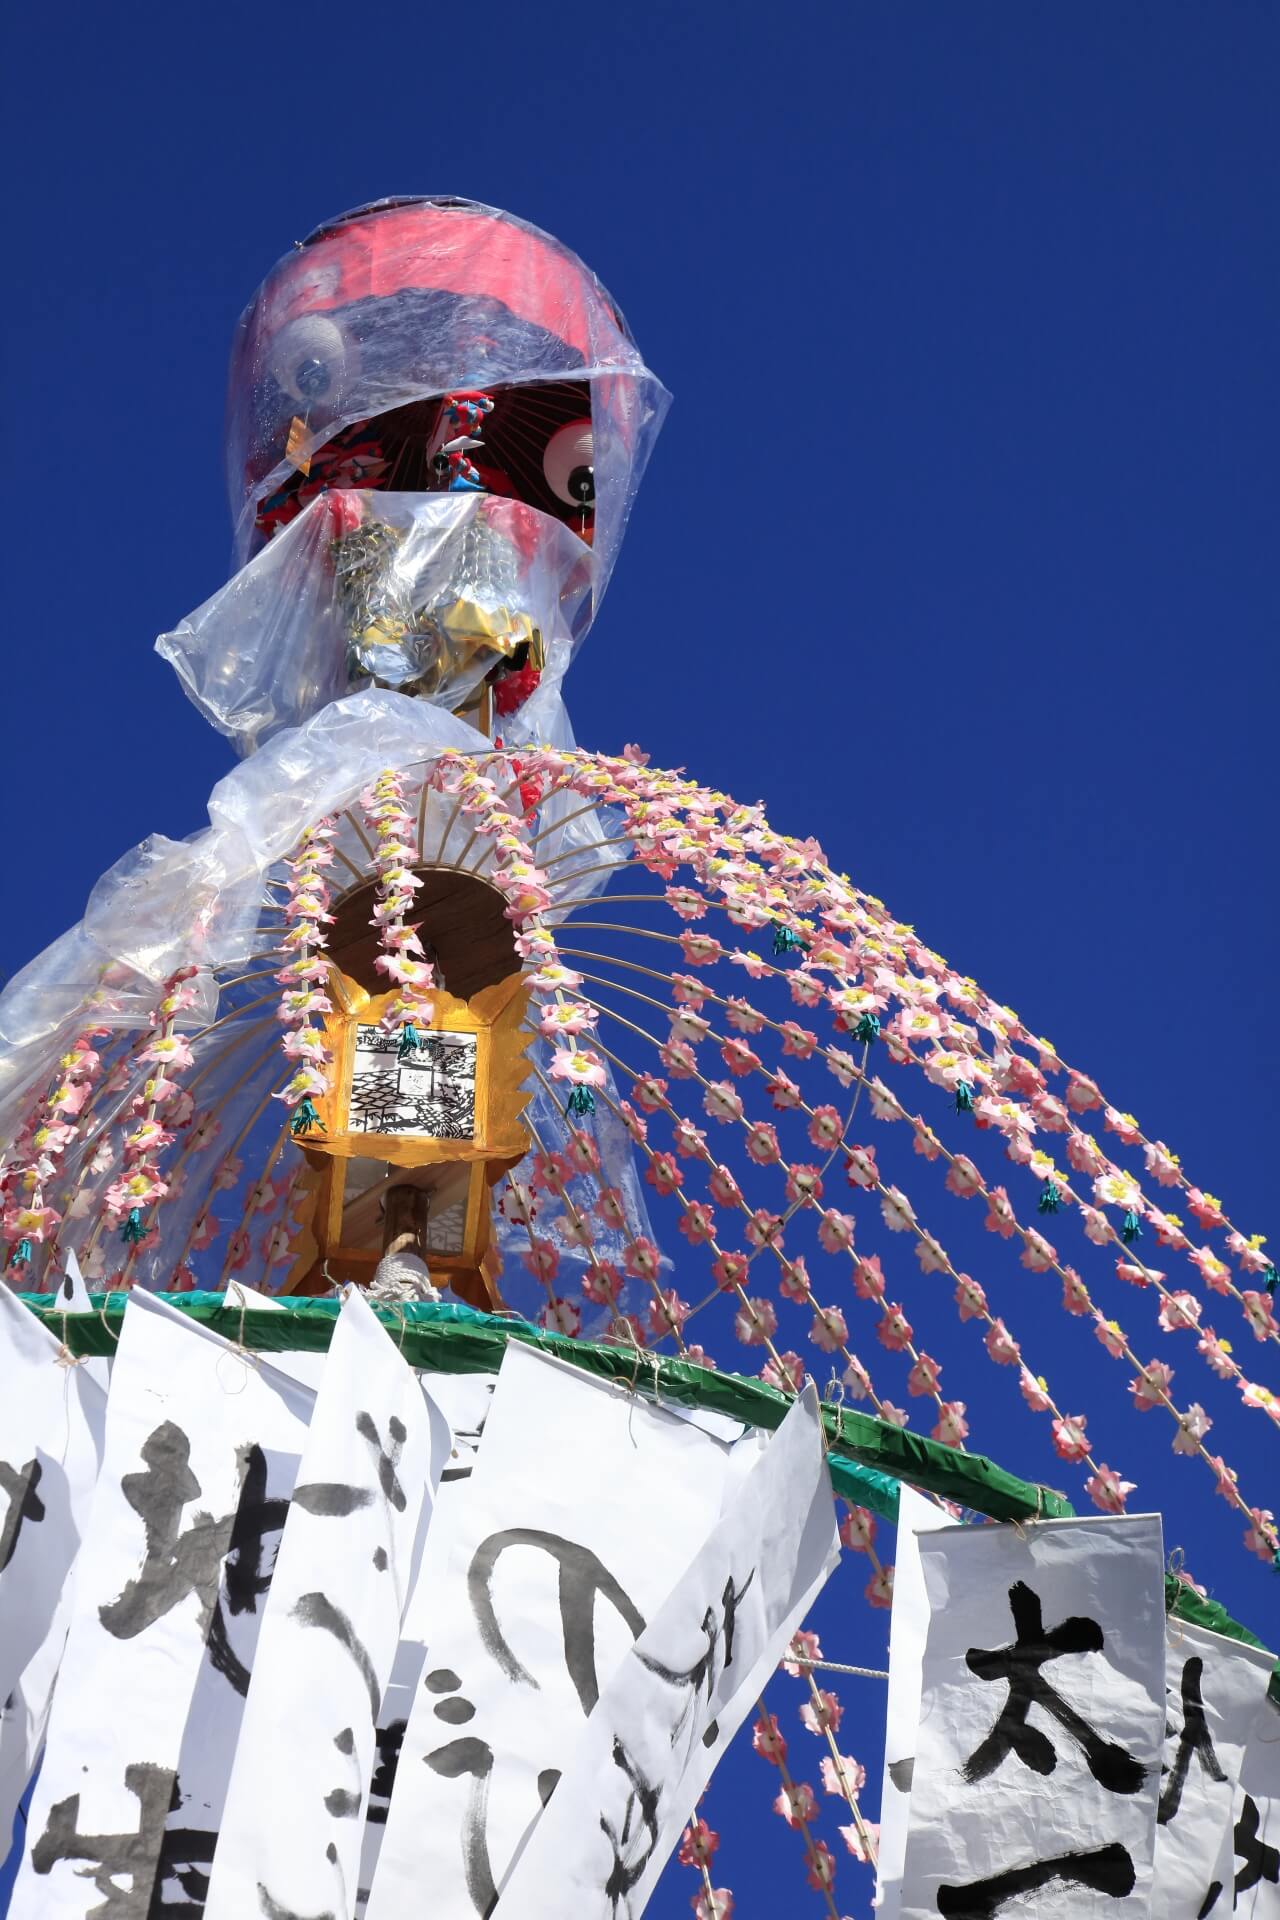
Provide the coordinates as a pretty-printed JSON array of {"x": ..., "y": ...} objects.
[
  {"x": 424, "y": 593},
  {"x": 414, "y": 299},
  {"x": 204, "y": 901}
]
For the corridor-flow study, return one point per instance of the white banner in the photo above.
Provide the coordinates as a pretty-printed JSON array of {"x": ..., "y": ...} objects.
[
  {"x": 585, "y": 1506},
  {"x": 307, "y": 1367},
  {"x": 464, "y": 1399},
  {"x": 1255, "y": 1845},
  {"x": 373, "y": 1457},
  {"x": 1213, "y": 1690},
  {"x": 908, "y": 1625},
  {"x": 683, "y": 1690},
  {"x": 1037, "y": 1769},
  {"x": 202, "y": 1446},
  {"x": 51, "y": 1425}
]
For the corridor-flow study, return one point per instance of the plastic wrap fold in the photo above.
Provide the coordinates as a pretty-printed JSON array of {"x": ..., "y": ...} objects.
[
  {"x": 416, "y": 298},
  {"x": 424, "y": 593},
  {"x": 200, "y": 902}
]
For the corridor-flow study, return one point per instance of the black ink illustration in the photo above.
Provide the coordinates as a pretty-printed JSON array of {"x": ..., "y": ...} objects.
[
  {"x": 1018, "y": 1666},
  {"x": 430, "y": 1092}
]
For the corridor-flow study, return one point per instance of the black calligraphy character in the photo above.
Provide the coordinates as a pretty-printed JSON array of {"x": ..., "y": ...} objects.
[
  {"x": 703, "y": 1671},
  {"x": 19, "y": 1485},
  {"x": 145, "y": 1856},
  {"x": 176, "y": 1563},
  {"x": 272, "y": 1910},
  {"x": 626, "y": 1873},
  {"x": 336, "y": 1499},
  {"x": 317, "y": 1610},
  {"x": 1108, "y": 1870},
  {"x": 341, "y": 1802},
  {"x": 390, "y": 1739},
  {"x": 247, "y": 1578},
  {"x": 1019, "y": 1666},
  {"x": 388, "y": 1457},
  {"x": 461, "y": 1759},
  {"x": 1194, "y": 1739},
  {"x": 1261, "y": 1862},
  {"x": 582, "y": 1577}
]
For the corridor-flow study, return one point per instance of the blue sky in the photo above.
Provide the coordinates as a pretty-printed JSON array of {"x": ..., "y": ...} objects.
[{"x": 957, "y": 547}]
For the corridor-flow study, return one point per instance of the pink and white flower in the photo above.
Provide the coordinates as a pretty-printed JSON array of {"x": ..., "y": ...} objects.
[{"x": 1107, "y": 1490}]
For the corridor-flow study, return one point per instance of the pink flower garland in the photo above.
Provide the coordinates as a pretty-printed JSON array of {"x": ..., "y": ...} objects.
[
  {"x": 49, "y": 1131},
  {"x": 140, "y": 1184},
  {"x": 303, "y": 977},
  {"x": 400, "y": 955}
]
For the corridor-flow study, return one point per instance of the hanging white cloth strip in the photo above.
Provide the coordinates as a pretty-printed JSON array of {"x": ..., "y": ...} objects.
[
  {"x": 373, "y": 1458},
  {"x": 464, "y": 1400},
  {"x": 908, "y": 1627},
  {"x": 306, "y": 1367},
  {"x": 683, "y": 1690},
  {"x": 202, "y": 1445},
  {"x": 1037, "y": 1768},
  {"x": 73, "y": 1297},
  {"x": 1255, "y": 1839},
  {"x": 51, "y": 1425},
  {"x": 1214, "y": 1689},
  {"x": 585, "y": 1506}
]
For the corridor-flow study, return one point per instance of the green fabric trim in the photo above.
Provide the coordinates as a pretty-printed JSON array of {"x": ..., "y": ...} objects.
[
  {"x": 868, "y": 1457},
  {"x": 1186, "y": 1604}
]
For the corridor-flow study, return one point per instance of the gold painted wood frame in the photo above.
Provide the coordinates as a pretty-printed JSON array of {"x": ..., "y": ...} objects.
[{"x": 495, "y": 1015}]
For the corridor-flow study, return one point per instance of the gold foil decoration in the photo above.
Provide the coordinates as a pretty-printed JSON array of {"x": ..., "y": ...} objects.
[{"x": 298, "y": 437}]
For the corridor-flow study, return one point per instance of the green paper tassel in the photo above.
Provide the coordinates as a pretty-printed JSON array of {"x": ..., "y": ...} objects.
[
  {"x": 133, "y": 1229},
  {"x": 964, "y": 1097},
  {"x": 410, "y": 1040},
  {"x": 581, "y": 1100},
  {"x": 1269, "y": 1279},
  {"x": 784, "y": 941},
  {"x": 1050, "y": 1199},
  {"x": 21, "y": 1255},
  {"x": 1131, "y": 1229},
  {"x": 305, "y": 1117},
  {"x": 868, "y": 1028}
]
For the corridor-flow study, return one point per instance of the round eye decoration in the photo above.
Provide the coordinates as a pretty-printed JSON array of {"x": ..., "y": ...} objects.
[
  {"x": 309, "y": 358},
  {"x": 567, "y": 464}
]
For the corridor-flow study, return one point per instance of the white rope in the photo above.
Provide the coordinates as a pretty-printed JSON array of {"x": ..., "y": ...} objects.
[{"x": 839, "y": 1666}]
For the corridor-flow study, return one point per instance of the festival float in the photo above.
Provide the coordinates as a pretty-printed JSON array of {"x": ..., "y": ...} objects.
[{"x": 461, "y": 1273}]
